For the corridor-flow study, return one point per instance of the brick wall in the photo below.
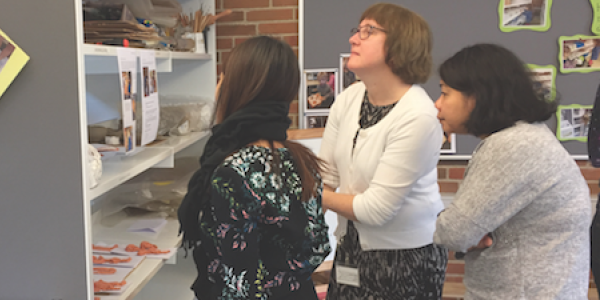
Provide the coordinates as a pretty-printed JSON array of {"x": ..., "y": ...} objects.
[
  {"x": 279, "y": 18},
  {"x": 276, "y": 18}
]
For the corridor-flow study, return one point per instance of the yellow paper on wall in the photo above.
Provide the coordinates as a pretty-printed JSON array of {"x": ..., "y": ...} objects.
[{"x": 12, "y": 61}]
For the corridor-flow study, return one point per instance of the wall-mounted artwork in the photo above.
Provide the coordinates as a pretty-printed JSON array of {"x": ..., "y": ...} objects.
[
  {"x": 579, "y": 53},
  {"x": 524, "y": 15},
  {"x": 320, "y": 89},
  {"x": 544, "y": 80},
  {"x": 347, "y": 77},
  {"x": 573, "y": 122},
  {"x": 12, "y": 61}
]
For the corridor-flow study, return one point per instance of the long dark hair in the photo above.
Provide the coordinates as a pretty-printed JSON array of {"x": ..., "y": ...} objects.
[
  {"x": 266, "y": 69},
  {"x": 503, "y": 90}
]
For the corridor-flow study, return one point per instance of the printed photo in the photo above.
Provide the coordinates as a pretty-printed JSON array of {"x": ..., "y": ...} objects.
[
  {"x": 12, "y": 61},
  {"x": 146, "y": 76},
  {"x": 128, "y": 138},
  {"x": 6, "y": 50},
  {"x": 524, "y": 14},
  {"x": 573, "y": 122},
  {"x": 126, "y": 81},
  {"x": 347, "y": 77},
  {"x": 154, "y": 81},
  {"x": 316, "y": 121},
  {"x": 320, "y": 89},
  {"x": 579, "y": 54},
  {"x": 544, "y": 78},
  {"x": 449, "y": 143}
]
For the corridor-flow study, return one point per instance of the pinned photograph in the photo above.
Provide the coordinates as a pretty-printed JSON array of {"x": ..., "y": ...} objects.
[
  {"x": 347, "y": 77},
  {"x": 316, "y": 121},
  {"x": 449, "y": 143},
  {"x": 320, "y": 89},
  {"x": 544, "y": 78},
  {"x": 126, "y": 81},
  {"x": 524, "y": 15},
  {"x": 573, "y": 122},
  {"x": 12, "y": 61},
  {"x": 579, "y": 53},
  {"x": 146, "y": 76}
]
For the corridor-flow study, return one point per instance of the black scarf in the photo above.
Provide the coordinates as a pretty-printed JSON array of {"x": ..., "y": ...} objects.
[{"x": 266, "y": 120}]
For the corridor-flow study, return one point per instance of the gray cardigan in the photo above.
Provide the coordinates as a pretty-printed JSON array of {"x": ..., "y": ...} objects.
[{"x": 523, "y": 187}]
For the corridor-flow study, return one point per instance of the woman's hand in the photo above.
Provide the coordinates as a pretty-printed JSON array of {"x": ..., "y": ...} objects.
[{"x": 484, "y": 243}]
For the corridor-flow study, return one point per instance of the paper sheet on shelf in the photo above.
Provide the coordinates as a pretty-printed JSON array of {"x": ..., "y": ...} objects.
[
  {"x": 150, "y": 103},
  {"x": 134, "y": 262},
  {"x": 120, "y": 275},
  {"x": 148, "y": 225}
]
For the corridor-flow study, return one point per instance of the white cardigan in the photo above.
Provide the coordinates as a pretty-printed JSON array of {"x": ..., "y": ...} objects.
[{"x": 392, "y": 172}]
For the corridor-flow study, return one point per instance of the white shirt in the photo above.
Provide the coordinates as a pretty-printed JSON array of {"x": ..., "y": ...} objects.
[{"x": 392, "y": 171}]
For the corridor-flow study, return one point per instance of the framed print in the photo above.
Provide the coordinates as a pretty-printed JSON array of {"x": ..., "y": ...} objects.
[
  {"x": 544, "y": 80},
  {"x": 579, "y": 53},
  {"x": 573, "y": 122},
  {"x": 319, "y": 86},
  {"x": 524, "y": 15},
  {"x": 347, "y": 77},
  {"x": 12, "y": 61},
  {"x": 316, "y": 120},
  {"x": 596, "y": 16},
  {"x": 449, "y": 144}
]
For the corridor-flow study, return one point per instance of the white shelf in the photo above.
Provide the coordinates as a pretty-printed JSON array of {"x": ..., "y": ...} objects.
[
  {"x": 117, "y": 170},
  {"x": 111, "y": 51},
  {"x": 113, "y": 230}
]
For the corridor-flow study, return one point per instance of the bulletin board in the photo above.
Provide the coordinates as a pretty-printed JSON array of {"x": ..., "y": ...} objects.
[{"x": 325, "y": 29}]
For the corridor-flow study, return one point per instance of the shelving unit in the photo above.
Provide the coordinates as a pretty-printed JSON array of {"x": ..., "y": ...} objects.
[{"x": 52, "y": 217}]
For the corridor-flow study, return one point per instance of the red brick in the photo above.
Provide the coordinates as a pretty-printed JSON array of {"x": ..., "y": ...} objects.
[
  {"x": 232, "y": 30},
  {"x": 270, "y": 14},
  {"x": 294, "y": 118},
  {"x": 453, "y": 163},
  {"x": 292, "y": 40},
  {"x": 583, "y": 163},
  {"x": 225, "y": 43},
  {"x": 590, "y": 173},
  {"x": 245, "y": 3},
  {"x": 291, "y": 27},
  {"x": 285, "y": 3},
  {"x": 454, "y": 278},
  {"x": 448, "y": 187},
  {"x": 235, "y": 16},
  {"x": 594, "y": 189},
  {"x": 455, "y": 268},
  {"x": 296, "y": 14},
  {"x": 240, "y": 40},
  {"x": 442, "y": 172},
  {"x": 457, "y": 173},
  {"x": 224, "y": 57},
  {"x": 293, "y": 107}
]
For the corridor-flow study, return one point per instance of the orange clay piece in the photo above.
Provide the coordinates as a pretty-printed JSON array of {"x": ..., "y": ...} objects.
[
  {"x": 132, "y": 248},
  {"x": 101, "y": 285},
  {"x": 115, "y": 260},
  {"x": 145, "y": 248},
  {"x": 96, "y": 298},
  {"x": 105, "y": 271},
  {"x": 102, "y": 248}
]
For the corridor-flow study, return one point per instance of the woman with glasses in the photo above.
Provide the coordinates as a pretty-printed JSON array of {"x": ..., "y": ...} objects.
[{"x": 381, "y": 144}]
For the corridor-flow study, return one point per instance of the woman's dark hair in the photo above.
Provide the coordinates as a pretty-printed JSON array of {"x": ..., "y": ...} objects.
[
  {"x": 501, "y": 86},
  {"x": 266, "y": 69}
]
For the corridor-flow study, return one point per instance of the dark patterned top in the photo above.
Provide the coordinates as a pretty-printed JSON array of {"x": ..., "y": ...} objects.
[
  {"x": 371, "y": 114},
  {"x": 265, "y": 241}
]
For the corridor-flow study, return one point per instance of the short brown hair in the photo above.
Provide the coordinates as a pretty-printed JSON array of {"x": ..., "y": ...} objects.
[{"x": 408, "y": 43}]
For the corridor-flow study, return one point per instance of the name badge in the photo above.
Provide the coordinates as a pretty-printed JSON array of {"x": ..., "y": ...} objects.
[{"x": 347, "y": 275}]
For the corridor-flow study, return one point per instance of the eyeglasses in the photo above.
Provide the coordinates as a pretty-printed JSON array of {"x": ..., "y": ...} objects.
[{"x": 365, "y": 31}]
